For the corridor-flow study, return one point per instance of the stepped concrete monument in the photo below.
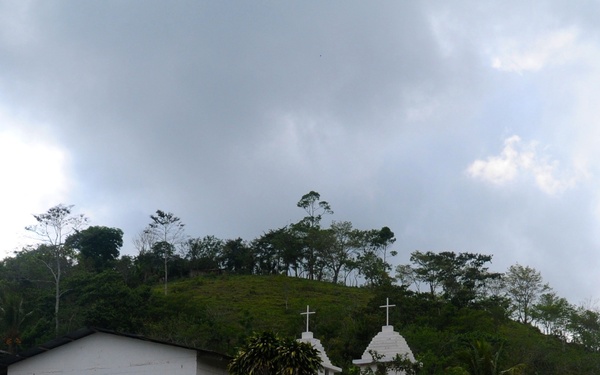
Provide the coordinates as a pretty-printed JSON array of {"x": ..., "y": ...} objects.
[
  {"x": 328, "y": 367},
  {"x": 386, "y": 345}
]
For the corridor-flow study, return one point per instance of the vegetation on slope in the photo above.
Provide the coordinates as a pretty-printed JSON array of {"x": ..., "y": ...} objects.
[{"x": 457, "y": 315}]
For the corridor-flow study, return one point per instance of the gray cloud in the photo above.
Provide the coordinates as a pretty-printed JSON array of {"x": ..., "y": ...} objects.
[{"x": 226, "y": 113}]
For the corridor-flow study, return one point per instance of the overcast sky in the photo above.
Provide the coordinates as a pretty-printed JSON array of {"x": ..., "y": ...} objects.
[{"x": 465, "y": 126}]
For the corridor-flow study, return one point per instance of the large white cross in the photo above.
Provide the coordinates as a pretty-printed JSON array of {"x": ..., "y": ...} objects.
[
  {"x": 307, "y": 313},
  {"x": 387, "y": 311}
]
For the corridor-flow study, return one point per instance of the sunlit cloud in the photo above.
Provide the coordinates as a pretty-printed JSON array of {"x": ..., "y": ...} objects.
[
  {"x": 517, "y": 158},
  {"x": 34, "y": 178},
  {"x": 523, "y": 56}
]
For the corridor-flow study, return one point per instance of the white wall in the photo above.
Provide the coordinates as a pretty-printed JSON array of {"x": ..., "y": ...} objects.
[{"x": 103, "y": 353}]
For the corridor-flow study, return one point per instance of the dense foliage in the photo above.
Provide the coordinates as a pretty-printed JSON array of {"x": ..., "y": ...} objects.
[
  {"x": 268, "y": 354},
  {"x": 457, "y": 315}
]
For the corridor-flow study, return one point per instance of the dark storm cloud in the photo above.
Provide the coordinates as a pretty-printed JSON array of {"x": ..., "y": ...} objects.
[
  {"x": 227, "y": 112},
  {"x": 179, "y": 97}
]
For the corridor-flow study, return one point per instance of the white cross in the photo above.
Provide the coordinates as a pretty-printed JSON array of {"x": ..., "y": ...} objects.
[
  {"x": 387, "y": 311},
  {"x": 307, "y": 313}
]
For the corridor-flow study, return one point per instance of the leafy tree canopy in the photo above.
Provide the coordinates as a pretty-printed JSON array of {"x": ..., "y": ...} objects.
[
  {"x": 268, "y": 354},
  {"x": 98, "y": 246}
]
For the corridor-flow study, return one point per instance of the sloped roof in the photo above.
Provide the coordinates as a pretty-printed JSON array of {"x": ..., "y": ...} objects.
[
  {"x": 83, "y": 332},
  {"x": 316, "y": 343},
  {"x": 387, "y": 343}
]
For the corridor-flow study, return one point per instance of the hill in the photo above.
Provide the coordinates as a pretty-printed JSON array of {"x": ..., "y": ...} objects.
[{"x": 218, "y": 312}]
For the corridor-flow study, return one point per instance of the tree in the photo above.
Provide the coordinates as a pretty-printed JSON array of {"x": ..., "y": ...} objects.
[
  {"x": 167, "y": 228},
  {"x": 585, "y": 328},
  {"x": 298, "y": 358},
  {"x": 318, "y": 248},
  {"x": 98, "y": 246},
  {"x": 428, "y": 268},
  {"x": 470, "y": 282},
  {"x": 203, "y": 253},
  {"x": 374, "y": 269},
  {"x": 314, "y": 207},
  {"x": 163, "y": 250},
  {"x": 104, "y": 300},
  {"x": 315, "y": 240},
  {"x": 26, "y": 271},
  {"x": 553, "y": 314},
  {"x": 380, "y": 240},
  {"x": 284, "y": 248},
  {"x": 524, "y": 285},
  {"x": 343, "y": 253},
  {"x": 144, "y": 241},
  {"x": 237, "y": 257},
  {"x": 13, "y": 316},
  {"x": 267, "y": 254},
  {"x": 269, "y": 354},
  {"x": 462, "y": 278},
  {"x": 148, "y": 265},
  {"x": 483, "y": 359},
  {"x": 52, "y": 228},
  {"x": 406, "y": 275}
]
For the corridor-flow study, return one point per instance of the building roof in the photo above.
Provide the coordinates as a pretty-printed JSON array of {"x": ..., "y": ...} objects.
[
  {"x": 83, "y": 332},
  {"x": 316, "y": 343},
  {"x": 387, "y": 343}
]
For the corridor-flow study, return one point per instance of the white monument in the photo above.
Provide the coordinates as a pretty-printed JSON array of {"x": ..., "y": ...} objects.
[
  {"x": 328, "y": 367},
  {"x": 386, "y": 345}
]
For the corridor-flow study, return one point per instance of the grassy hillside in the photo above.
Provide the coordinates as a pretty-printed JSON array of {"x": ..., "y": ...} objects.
[
  {"x": 219, "y": 312},
  {"x": 271, "y": 302}
]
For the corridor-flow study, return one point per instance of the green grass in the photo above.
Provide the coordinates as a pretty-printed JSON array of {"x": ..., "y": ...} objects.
[
  {"x": 220, "y": 311},
  {"x": 271, "y": 302}
]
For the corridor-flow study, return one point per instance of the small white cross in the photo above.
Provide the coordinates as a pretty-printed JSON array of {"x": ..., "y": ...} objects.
[
  {"x": 307, "y": 313},
  {"x": 387, "y": 311}
]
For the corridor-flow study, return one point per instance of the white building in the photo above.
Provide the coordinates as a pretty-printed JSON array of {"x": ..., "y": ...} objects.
[
  {"x": 386, "y": 345},
  {"x": 328, "y": 367},
  {"x": 98, "y": 351}
]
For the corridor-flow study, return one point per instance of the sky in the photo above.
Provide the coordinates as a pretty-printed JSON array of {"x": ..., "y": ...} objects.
[{"x": 462, "y": 126}]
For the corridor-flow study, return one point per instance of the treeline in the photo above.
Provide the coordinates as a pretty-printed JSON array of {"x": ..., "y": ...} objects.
[
  {"x": 464, "y": 280},
  {"x": 72, "y": 263},
  {"x": 74, "y": 276},
  {"x": 339, "y": 253}
]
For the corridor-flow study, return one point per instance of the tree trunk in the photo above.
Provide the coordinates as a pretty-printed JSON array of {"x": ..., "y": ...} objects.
[
  {"x": 166, "y": 275},
  {"x": 57, "y": 293}
]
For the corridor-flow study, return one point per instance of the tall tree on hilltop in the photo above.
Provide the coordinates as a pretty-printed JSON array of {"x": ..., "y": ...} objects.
[
  {"x": 237, "y": 257},
  {"x": 286, "y": 245},
  {"x": 168, "y": 229},
  {"x": 98, "y": 246},
  {"x": 203, "y": 253},
  {"x": 315, "y": 240},
  {"x": 144, "y": 241},
  {"x": 380, "y": 240},
  {"x": 524, "y": 286},
  {"x": 585, "y": 328},
  {"x": 461, "y": 277},
  {"x": 268, "y": 255},
  {"x": 553, "y": 314},
  {"x": 343, "y": 253},
  {"x": 315, "y": 208},
  {"x": 52, "y": 228}
]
